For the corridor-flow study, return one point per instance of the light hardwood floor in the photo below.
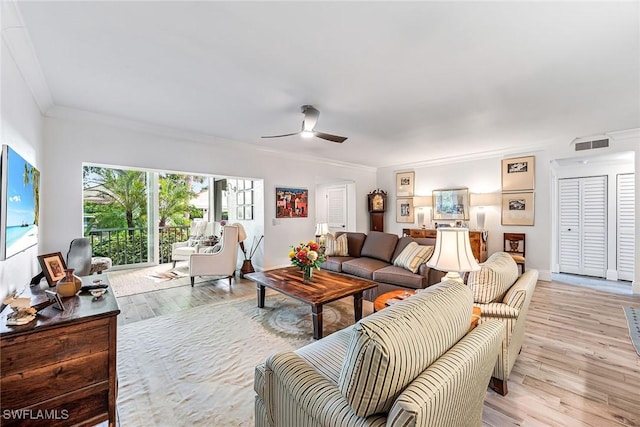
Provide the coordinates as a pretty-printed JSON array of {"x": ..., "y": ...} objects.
[{"x": 577, "y": 366}]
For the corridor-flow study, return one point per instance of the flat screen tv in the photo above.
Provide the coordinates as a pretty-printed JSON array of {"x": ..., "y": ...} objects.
[{"x": 19, "y": 203}]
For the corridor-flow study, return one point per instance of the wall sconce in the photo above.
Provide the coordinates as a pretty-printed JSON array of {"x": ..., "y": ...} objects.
[{"x": 423, "y": 204}]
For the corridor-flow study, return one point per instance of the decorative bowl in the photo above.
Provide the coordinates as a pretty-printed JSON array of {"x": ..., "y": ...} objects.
[{"x": 97, "y": 293}]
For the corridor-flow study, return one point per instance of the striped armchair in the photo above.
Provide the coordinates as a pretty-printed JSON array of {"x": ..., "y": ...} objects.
[
  {"x": 412, "y": 364},
  {"x": 502, "y": 295}
]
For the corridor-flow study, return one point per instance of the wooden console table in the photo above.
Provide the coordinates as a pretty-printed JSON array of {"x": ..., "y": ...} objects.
[
  {"x": 478, "y": 240},
  {"x": 60, "y": 369}
]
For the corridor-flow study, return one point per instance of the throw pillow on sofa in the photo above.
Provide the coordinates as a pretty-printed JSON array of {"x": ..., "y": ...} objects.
[
  {"x": 336, "y": 246},
  {"x": 412, "y": 256},
  {"x": 495, "y": 277}
]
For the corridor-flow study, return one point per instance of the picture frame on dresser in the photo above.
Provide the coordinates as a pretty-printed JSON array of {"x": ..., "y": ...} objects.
[{"x": 53, "y": 267}]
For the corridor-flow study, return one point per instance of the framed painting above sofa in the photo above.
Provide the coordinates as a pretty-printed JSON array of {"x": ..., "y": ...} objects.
[{"x": 451, "y": 204}]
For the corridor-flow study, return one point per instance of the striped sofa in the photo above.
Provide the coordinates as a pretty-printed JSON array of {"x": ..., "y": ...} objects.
[
  {"x": 502, "y": 295},
  {"x": 412, "y": 364}
]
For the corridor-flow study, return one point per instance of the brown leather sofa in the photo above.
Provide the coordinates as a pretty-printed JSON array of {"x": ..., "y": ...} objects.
[{"x": 371, "y": 257}]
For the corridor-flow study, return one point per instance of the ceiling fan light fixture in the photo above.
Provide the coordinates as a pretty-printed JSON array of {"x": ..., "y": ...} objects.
[{"x": 307, "y": 133}]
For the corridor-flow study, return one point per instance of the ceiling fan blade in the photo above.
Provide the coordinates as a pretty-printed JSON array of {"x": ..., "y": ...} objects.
[
  {"x": 280, "y": 136},
  {"x": 310, "y": 117},
  {"x": 329, "y": 137}
]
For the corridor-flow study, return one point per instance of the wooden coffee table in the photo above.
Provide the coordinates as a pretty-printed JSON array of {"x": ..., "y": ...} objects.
[{"x": 325, "y": 287}]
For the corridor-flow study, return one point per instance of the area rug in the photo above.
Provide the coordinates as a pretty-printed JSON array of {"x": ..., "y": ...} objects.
[
  {"x": 196, "y": 367},
  {"x": 633, "y": 320},
  {"x": 141, "y": 280}
]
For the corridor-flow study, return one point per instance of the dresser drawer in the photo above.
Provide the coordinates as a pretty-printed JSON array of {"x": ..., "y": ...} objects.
[
  {"x": 87, "y": 407},
  {"x": 28, "y": 352},
  {"x": 22, "y": 389}
]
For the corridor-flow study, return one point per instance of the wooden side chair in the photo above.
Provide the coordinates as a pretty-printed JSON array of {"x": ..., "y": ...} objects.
[{"x": 514, "y": 245}]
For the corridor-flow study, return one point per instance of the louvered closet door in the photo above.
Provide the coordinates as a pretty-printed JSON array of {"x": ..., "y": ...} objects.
[
  {"x": 583, "y": 226},
  {"x": 626, "y": 225},
  {"x": 569, "y": 193}
]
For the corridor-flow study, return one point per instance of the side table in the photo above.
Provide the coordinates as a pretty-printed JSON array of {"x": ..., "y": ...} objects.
[{"x": 381, "y": 302}]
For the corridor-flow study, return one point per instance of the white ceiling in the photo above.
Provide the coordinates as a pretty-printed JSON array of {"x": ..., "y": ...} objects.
[{"x": 405, "y": 81}]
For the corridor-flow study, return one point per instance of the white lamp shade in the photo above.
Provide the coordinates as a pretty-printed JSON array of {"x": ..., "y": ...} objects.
[
  {"x": 322, "y": 228},
  {"x": 242, "y": 235},
  {"x": 484, "y": 199},
  {"x": 422, "y": 202},
  {"x": 453, "y": 251}
]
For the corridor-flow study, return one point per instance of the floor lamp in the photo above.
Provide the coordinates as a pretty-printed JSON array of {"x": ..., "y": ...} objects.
[{"x": 453, "y": 254}]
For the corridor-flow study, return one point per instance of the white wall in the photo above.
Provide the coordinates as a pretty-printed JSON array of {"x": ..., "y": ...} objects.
[
  {"x": 22, "y": 130},
  {"x": 482, "y": 175},
  {"x": 74, "y": 138}
]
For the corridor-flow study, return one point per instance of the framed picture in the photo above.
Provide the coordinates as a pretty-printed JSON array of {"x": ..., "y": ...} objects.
[
  {"x": 451, "y": 204},
  {"x": 292, "y": 202},
  {"x": 404, "y": 210},
  {"x": 53, "y": 267},
  {"x": 405, "y": 182},
  {"x": 518, "y": 208},
  {"x": 518, "y": 174},
  {"x": 55, "y": 300}
]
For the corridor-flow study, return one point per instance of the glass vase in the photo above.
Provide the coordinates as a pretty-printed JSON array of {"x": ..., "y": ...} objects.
[
  {"x": 69, "y": 285},
  {"x": 307, "y": 274}
]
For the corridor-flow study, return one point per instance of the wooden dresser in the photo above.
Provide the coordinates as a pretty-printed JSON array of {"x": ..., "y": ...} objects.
[
  {"x": 60, "y": 369},
  {"x": 478, "y": 240}
]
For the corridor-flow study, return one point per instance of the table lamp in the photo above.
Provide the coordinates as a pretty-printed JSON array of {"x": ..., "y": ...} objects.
[
  {"x": 322, "y": 228},
  {"x": 480, "y": 200},
  {"x": 453, "y": 254},
  {"x": 422, "y": 203}
]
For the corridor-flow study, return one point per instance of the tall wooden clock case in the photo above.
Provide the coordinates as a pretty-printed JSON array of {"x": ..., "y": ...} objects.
[{"x": 377, "y": 206}]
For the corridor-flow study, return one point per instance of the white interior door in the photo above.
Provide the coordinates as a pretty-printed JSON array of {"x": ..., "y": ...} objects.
[
  {"x": 337, "y": 208},
  {"x": 626, "y": 226},
  {"x": 569, "y": 251},
  {"x": 583, "y": 226}
]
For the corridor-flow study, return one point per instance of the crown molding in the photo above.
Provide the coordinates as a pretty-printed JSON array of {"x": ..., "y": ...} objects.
[
  {"x": 18, "y": 42},
  {"x": 83, "y": 116},
  {"x": 480, "y": 155}
]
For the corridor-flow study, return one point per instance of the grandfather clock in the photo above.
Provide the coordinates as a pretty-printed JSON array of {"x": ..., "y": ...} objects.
[{"x": 377, "y": 206}]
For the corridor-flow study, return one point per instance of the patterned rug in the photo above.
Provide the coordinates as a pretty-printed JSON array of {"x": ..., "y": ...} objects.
[
  {"x": 633, "y": 320},
  {"x": 196, "y": 367}
]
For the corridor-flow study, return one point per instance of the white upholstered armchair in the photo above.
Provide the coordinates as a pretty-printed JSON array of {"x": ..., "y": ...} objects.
[
  {"x": 221, "y": 263},
  {"x": 502, "y": 295},
  {"x": 199, "y": 231}
]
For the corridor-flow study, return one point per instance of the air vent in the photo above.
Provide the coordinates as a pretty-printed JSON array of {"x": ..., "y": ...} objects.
[{"x": 590, "y": 145}]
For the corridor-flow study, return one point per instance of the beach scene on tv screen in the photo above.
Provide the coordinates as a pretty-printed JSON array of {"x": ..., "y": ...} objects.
[{"x": 22, "y": 204}]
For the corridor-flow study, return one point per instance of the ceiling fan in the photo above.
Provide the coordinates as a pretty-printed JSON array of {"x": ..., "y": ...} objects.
[{"x": 310, "y": 119}]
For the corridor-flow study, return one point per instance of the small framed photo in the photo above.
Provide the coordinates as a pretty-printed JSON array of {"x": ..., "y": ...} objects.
[
  {"x": 55, "y": 300},
  {"x": 405, "y": 184},
  {"x": 404, "y": 210},
  {"x": 518, "y": 174},
  {"x": 53, "y": 267},
  {"x": 518, "y": 208}
]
